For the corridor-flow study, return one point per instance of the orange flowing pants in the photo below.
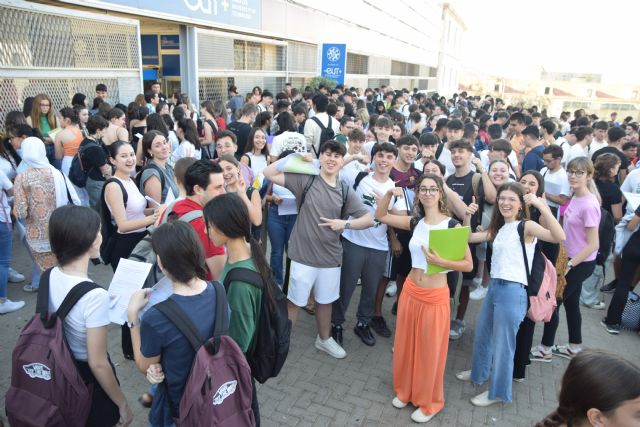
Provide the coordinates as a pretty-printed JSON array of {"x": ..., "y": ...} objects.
[{"x": 421, "y": 345}]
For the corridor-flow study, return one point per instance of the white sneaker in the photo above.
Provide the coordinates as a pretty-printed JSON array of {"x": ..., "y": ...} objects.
[
  {"x": 597, "y": 306},
  {"x": 397, "y": 403},
  {"x": 9, "y": 306},
  {"x": 419, "y": 417},
  {"x": 331, "y": 347},
  {"x": 478, "y": 293},
  {"x": 483, "y": 400},
  {"x": 14, "y": 276},
  {"x": 392, "y": 289},
  {"x": 464, "y": 375}
]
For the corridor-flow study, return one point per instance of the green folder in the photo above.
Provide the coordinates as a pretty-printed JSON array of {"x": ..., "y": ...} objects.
[{"x": 450, "y": 244}]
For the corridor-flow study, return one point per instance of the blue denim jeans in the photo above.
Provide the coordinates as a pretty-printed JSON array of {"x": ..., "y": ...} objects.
[
  {"x": 279, "y": 228},
  {"x": 6, "y": 244},
  {"x": 494, "y": 345}
]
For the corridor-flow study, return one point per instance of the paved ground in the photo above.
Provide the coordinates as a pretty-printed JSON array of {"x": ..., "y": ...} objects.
[{"x": 317, "y": 390}]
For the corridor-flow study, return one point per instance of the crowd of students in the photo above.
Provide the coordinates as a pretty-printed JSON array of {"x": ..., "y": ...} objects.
[{"x": 392, "y": 165}]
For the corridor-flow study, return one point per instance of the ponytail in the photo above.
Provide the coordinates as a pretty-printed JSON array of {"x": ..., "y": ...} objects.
[{"x": 261, "y": 264}]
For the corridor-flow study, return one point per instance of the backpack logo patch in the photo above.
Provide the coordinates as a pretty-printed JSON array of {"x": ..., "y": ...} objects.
[
  {"x": 225, "y": 390},
  {"x": 38, "y": 370}
]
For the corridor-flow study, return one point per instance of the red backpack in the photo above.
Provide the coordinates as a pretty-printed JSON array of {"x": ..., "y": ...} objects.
[
  {"x": 542, "y": 282},
  {"x": 219, "y": 389},
  {"x": 47, "y": 389}
]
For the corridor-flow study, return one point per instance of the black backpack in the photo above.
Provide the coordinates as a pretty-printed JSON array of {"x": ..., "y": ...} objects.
[
  {"x": 606, "y": 234},
  {"x": 109, "y": 229},
  {"x": 138, "y": 178},
  {"x": 77, "y": 172},
  {"x": 326, "y": 132},
  {"x": 273, "y": 329}
]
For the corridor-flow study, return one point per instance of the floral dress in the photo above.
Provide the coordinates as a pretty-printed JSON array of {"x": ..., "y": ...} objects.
[{"x": 34, "y": 201}]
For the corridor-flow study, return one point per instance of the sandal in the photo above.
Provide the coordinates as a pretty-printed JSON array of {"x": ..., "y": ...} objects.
[
  {"x": 146, "y": 400},
  {"x": 539, "y": 355},
  {"x": 565, "y": 351}
]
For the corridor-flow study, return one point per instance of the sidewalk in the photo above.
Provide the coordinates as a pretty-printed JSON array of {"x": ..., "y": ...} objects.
[{"x": 316, "y": 390}]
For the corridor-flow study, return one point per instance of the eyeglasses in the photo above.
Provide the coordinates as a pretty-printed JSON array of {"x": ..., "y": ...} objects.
[
  {"x": 577, "y": 174},
  {"x": 549, "y": 160},
  {"x": 429, "y": 190}
]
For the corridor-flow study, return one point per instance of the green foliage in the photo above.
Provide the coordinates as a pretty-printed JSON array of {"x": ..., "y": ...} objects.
[{"x": 318, "y": 81}]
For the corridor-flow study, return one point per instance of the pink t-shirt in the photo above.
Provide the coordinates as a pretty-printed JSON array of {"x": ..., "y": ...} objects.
[{"x": 581, "y": 213}]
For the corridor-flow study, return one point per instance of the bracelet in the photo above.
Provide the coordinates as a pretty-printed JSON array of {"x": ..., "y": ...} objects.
[{"x": 133, "y": 324}]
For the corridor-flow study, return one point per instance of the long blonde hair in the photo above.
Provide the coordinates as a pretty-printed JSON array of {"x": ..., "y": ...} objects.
[{"x": 585, "y": 164}]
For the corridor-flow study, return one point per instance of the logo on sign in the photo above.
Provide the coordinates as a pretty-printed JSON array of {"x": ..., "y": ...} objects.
[
  {"x": 224, "y": 391},
  {"x": 38, "y": 370},
  {"x": 333, "y": 54},
  {"x": 205, "y": 6}
]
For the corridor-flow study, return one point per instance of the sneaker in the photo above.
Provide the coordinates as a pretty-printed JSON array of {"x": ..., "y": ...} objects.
[
  {"x": 478, "y": 293},
  {"x": 612, "y": 329},
  {"x": 519, "y": 380},
  {"x": 483, "y": 400},
  {"x": 477, "y": 281},
  {"x": 464, "y": 375},
  {"x": 29, "y": 288},
  {"x": 14, "y": 276},
  {"x": 364, "y": 332},
  {"x": 336, "y": 333},
  {"x": 392, "y": 289},
  {"x": 9, "y": 306},
  {"x": 565, "y": 351},
  {"x": 597, "y": 306},
  {"x": 419, "y": 417},
  {"x": 379, "y": 325},
  {"x": 457, "y": 329},
  {"x": 609, "y": 287},
  {"x": 397, "y": 403},
  {"x": 539, "y": 354},
  {"x": 330, "y": 347},
  {"x": 394, "y": 308}
]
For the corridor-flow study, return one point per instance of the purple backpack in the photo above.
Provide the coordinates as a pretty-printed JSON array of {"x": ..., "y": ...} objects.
[
  {"x": 47, "y": 389},
  {"x": 219, "y": 389}
]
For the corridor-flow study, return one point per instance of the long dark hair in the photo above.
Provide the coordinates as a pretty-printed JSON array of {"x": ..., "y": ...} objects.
[
  {"x": 180, "y": 251},
  {"x": 497, "y": 220},
  {"x": 594, "y": 379},
  {"x": 248, "y": 148},
  {"x": 190, "y": 132},
  {"x": 229, "y": 214},
  {"x": 418, "y": 209}
]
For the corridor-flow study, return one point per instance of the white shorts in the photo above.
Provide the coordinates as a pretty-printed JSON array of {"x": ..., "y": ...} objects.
[{"x": 325, "y": 283}]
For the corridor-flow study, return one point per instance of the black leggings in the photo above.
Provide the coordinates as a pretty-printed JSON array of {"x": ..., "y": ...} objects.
[
  {"x": 630, "y": 260},
  {"x": 571, "y": 301}
]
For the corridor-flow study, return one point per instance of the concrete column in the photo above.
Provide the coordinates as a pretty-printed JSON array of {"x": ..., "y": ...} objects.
[{"x": 189, "y": 63}]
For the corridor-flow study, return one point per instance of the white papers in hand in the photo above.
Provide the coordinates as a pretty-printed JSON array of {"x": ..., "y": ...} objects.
[
  {"x": 128, "y": 278},
  {"x": 159, "y": 292}
]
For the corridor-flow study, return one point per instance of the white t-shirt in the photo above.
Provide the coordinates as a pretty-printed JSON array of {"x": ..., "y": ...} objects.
[
  {"x": 92, "y": 311},
  {"x": 555, "y": 183},
  {"x": 186, "y": 149},
  {"x": 631, "y": 184},
  {"x": 354, "y": 166},
  {"x": 576, "y": 150},
  {"x": 5, "y": 208},
  {"x": 595, "y": 146},
  {"x": 288, "y": 141},
  {"x": 373, "y": 237},
  {"x": 8, "y": 168},
  {"x": 258, "y": 163},
  {"x": 445, "y": 159}
]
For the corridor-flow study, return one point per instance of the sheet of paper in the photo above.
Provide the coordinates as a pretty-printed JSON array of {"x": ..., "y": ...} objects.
[
  {"x": 450, "y": 244},
  {"x": 128, "y": 278},
  {"x": 296, "y": 164},
  {"x": 159, "y": 292},
  {"x": 633, "y": 200},
  {"x": 288, "y": 206}
]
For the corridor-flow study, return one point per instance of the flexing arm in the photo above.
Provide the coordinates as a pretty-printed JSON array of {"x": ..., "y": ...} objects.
[
  {"x": 401, "y": 222},
  {"x": 553, "y": 233}
]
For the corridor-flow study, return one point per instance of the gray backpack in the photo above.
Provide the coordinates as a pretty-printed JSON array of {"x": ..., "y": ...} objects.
[{"x": 143, "y": 251}]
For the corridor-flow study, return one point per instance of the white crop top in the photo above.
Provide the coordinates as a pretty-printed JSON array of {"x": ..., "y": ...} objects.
[
  {"x": 507, "y": 262},
  {"x": 420, "y": 238}
]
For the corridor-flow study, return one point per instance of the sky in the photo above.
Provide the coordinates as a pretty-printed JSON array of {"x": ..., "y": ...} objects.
[{"x": 516, "y": 38}]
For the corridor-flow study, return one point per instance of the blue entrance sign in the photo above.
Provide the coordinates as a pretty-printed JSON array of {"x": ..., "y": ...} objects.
[
  {"x": 334, "y": 61},
  {"x": 239, "y": 13}
]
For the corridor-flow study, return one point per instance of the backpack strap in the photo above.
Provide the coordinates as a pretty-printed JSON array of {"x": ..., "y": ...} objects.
[
  {"x": 306, "y": 190},
  {"x": 125, "y": 196},
  {"x": 453, "y": 223},
  {"x": 74, "y": 295},
  {"x": 359, "y": 177},
  {"x": 524, "y": 250},
  {"x": 188, "y": 217},
  {"x": 160, "y": 172},
  {"x": 246, "y": 275},
  {"x": 439, "y": 150},
  {"x": 180, "y": 320},
  {"x": 345, "y": 194},
  {"x": 248, "y": 158}
]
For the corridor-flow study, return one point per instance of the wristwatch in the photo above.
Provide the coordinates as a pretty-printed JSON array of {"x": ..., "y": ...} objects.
[
  {"x": 133, "y": 324},
  {"x": 569, "y": 264},
  {"x": 347, "y": 225}
]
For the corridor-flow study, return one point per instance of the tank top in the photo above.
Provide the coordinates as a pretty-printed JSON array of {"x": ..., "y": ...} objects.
[
  {"x": 45, "y": 127},
  {"x": 258, "y": 163},
  {"x": 136, "y": 203},
  {"x": 507, "y": 262},
  {"x": 420, "y": 238},
  {"x": 70, "y": 148}
]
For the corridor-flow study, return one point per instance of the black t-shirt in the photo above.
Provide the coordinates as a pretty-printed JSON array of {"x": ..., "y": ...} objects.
[
  {"x": 624, "y": 162},
  {"x": 610, "y": 194},
  {"x": 93, "y": 158},
  {"x": 464, "y": 187},
  {"x": 241, "y": 130}
]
